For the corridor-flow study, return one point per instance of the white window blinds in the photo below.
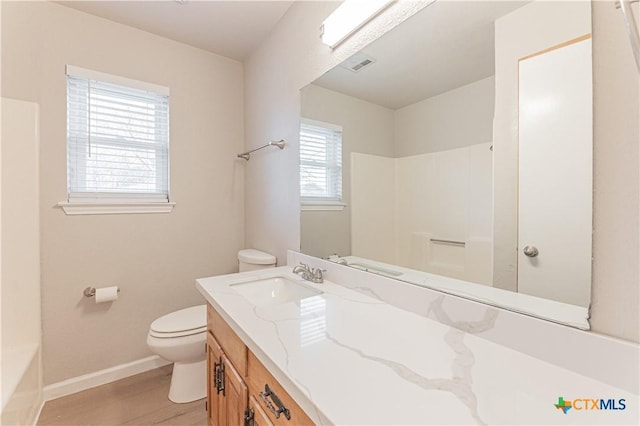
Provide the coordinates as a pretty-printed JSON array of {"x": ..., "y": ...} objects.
[
  {"x": 320, "y": 161},
  {"x": 117, "y": 138}
]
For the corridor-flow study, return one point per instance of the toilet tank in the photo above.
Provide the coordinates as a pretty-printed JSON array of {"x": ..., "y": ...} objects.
[{"x": 252, "y": 259}]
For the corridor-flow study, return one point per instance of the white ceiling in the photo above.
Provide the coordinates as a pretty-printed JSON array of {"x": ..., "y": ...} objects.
[
  {"x": 446, "y": 45},
  {"x": 232, "y": 28}
]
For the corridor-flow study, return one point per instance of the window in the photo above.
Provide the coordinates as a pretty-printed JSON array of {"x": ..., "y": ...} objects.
[
  {"x": 117, "y": 144},
  {"x": 320, "y": 166}
]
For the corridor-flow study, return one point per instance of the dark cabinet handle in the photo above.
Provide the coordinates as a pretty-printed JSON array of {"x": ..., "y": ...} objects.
[
  {"x": 249, "y": 417},
  {"x": 276, "y": 407},
  {"x": 218, "y": 374}
]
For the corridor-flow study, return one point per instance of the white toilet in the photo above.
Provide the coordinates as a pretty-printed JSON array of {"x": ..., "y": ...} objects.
[
  {"x": 181, "y": 335},
  {"x": 252, "y": 259}
]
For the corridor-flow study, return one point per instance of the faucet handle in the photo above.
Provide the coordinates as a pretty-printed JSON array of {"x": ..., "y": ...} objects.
[{"x": 317, "y": 274}]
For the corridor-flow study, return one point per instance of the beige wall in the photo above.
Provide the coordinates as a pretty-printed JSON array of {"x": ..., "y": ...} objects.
[
  {"x": 615, "y": 293},
  {"x": 292, "y": 57},
  {"x": 454, "y": 119},
  {"x": 153, "y": 258},
  {"x": 366, "y": 128}
]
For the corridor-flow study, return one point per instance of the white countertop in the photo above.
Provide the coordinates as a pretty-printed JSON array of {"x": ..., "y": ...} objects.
[{"x": 348, "y": 358}]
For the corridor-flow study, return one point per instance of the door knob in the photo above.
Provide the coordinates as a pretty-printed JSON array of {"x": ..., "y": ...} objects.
[{"x": 530, "y": 251}]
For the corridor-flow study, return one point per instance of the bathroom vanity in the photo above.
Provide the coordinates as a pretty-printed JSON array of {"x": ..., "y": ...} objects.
[
  {"x": 330, "y": 354},
  {"x": 239, "y": 387}
]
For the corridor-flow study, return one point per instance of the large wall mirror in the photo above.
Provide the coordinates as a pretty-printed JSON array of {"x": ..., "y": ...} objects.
[{"x": 466, "y": 156}]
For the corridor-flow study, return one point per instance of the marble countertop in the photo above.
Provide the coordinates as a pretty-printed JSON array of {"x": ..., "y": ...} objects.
[{"x": 348, "y": 358}]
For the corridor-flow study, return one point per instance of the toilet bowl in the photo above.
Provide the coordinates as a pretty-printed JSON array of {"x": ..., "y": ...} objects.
[{"x": 180, "y": 337}]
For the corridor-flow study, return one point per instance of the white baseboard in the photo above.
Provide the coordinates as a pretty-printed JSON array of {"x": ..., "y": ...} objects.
[
  {"x": 108, "y": 375},
  {"x": 35, "y": 419}
]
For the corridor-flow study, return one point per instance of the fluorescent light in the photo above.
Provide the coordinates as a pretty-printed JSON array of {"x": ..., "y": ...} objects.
[{"x": 349, "y": 17}]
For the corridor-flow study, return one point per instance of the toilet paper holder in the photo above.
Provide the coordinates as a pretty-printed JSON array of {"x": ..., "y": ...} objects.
[{"x": 91, "y": 292}]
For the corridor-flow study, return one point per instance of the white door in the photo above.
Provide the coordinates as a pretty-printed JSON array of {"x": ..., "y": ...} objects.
[{"x": 555, "y": 174}]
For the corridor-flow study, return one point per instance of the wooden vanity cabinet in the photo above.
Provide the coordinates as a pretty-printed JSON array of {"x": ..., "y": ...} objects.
[
  {"x": 231, "y": 344},
  {"x": 230, "y": 367},
  {"x": 227, "y": 394}
]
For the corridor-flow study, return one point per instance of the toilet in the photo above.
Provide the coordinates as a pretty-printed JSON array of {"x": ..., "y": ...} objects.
[
  {"x": 180, "y": 337},
  {"x": 252, "y": 259}
]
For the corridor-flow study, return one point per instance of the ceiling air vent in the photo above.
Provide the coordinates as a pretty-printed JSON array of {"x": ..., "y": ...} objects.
[{"x": 357, "y": 62}]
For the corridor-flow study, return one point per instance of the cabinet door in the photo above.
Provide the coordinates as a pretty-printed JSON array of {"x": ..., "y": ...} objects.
[
  {"x": 235, "y": 395},
  {"x": 260, "y": 417},
  {"x": 216, "y": 407}
]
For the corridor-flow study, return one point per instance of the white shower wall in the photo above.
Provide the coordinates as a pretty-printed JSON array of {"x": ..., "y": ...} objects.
[
  {"x": 20, "y": 318},
  {"x": 445, "y": 195},
  {"x": 441, "y": 195},
  {"x": 441, "y": 187}
]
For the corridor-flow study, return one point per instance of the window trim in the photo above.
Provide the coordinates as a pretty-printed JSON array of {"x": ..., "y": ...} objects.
[
  {"x": 309, "y": 205},
  {"x": 116, "y": 203},
  {"x": 116, "y": 79},
  {"x": 77, "y": 208},
  {"x": 320, "y": 203}
]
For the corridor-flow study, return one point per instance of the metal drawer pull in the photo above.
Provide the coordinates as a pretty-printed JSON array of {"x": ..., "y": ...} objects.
[
  {"x": 281, "y": 408},
  {"x": 218, "y": 374}
]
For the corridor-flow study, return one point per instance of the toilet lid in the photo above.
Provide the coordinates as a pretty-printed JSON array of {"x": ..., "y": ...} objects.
[{"x": 192, "y": 319}]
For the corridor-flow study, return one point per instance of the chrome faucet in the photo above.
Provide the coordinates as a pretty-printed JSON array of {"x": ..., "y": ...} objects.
[{"x": 310, "y": 274}]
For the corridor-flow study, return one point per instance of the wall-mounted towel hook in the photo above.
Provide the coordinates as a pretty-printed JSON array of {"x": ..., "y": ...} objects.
[{"x": 246, "y": 155}]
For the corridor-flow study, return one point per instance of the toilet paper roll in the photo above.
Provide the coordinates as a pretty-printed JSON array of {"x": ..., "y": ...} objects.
[{"x": 106, "y": 294}]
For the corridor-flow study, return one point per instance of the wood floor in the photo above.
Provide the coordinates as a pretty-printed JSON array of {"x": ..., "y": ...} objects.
[{"x": 136, "y": 400}]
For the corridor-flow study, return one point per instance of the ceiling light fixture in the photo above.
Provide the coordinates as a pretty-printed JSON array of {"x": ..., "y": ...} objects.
[{"x": 349, "y": 17}]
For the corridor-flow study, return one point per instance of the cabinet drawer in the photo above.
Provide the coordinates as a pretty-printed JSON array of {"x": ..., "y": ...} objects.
[
  {"x": 260, "y": 417},
  {"x": 258, "y": 377},
  {"x": 231, "y": 344}
]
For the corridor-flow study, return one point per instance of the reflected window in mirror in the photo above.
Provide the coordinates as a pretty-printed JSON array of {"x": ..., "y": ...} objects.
[{"x": 320, "y": 165}]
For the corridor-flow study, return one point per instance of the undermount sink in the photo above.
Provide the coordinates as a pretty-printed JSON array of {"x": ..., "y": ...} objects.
[{"x": 275, "y": 290}]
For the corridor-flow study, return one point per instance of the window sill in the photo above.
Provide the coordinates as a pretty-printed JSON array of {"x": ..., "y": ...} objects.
[
  {"x": 115, "y": 208},
  {"x": 322, "y": 206}
]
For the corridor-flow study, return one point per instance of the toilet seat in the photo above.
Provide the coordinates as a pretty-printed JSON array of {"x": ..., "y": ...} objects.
[
  {"x": 177, "y": 333},
  {"x": 185, "y": 322}
]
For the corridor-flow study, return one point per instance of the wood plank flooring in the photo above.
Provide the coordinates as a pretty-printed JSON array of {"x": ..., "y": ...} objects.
[{"x": 136, "y": 400}]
